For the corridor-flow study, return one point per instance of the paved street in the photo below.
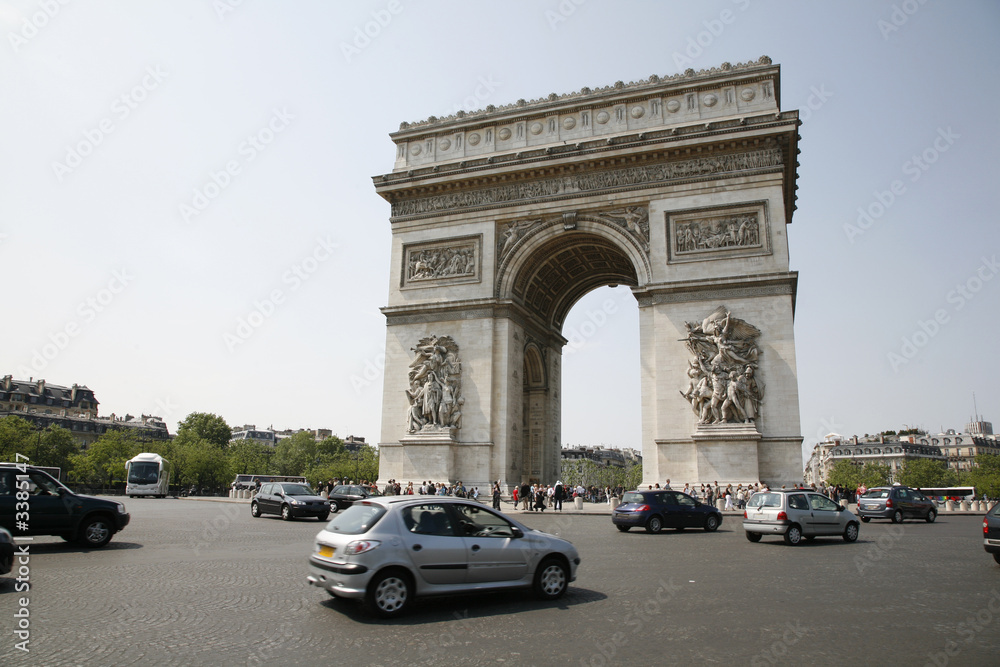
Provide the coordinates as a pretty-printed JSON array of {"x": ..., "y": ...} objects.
[{"x": 191, "y": 583}]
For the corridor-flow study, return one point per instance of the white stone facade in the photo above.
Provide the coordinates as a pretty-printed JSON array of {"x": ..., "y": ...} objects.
[{"x": 493, "y": 242}]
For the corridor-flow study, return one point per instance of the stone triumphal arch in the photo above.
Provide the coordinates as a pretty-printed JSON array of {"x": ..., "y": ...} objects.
[{"x": 679, "y": 187}]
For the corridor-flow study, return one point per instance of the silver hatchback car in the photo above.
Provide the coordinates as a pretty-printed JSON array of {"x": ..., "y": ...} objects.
[
  {"x": 390, "y": 549},
  {"x": 797, "y": 514}
]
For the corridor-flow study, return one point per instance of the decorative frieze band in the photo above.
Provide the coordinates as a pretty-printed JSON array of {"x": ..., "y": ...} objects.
[
  {"x": 784, "y": 285},
  {"x": 587, "y": 182}
]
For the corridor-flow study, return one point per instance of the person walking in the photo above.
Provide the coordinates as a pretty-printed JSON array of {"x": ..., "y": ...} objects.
[
  {"x": 525, "y": 496},
  {"x": 558, "y": 495},
  {"x": 496, "y": 495}
]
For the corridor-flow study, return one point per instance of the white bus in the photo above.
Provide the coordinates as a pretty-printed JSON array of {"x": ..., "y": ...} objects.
[{"x": 147, "y": 475}]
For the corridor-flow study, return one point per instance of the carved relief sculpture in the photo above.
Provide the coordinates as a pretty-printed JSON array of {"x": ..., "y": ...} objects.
[
  {"x": 435, "y": 386},
  {"x": 722, "y": 386},
  {"x": 738, "y": 231},
  {"x": 634, "y": 219}
]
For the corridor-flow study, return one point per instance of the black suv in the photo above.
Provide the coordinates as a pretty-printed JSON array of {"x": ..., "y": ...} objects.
[
  {"x": 290, "y": 500},
  {"x": 32, "y": 502}
]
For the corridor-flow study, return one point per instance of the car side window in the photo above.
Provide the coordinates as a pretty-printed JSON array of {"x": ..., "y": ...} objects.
[
  {"x": 819, "y": 502},
  {"x": 428, "y": 520},
  {"x": 685, "y": 501},
  {"x": 6, "y": 482},
  {"x": 798, "y": 502},
  {"x": 480, "y": 522}
]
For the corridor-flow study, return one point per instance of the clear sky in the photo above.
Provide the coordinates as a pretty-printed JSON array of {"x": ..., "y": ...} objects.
[{"x": 188, "y": 223}]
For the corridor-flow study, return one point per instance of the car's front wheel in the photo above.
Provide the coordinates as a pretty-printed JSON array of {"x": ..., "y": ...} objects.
[
  {"x": 334, "y": 507},
  {"x": 286, "y": 513},
  {"x": 996, "y": 557},
  {"x": 793, "y": 535},
  {"x": 753, "y": 537},
  {"x": 711, "y": 523},
  {"x": 254, "y": 509},
  {"x": 388, "y": 593},
  {"x": 624, "y": 529},
  {"x": 931, "y": 516},
  {"x": 551, "y": 579},
  {"x": 323, "y": 517},
  {"x": 654, "y": 525},
  {"x": 851, "y": 532},
  {"x": 897, "y": 516},
  {"x": 95, "y": 532}
]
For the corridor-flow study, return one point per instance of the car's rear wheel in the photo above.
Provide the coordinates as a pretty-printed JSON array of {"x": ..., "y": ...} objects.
[
  {"x": 793, "y": 535},
  {"x": 866, "y": 519},
  {"x": 286, "y": 513},
  {"x": 95, "y": 532},
  {"x": 624, "y": 529},
  {"x": 551, "y": 579},
  {"x": 334, "y": 507},
  {"x": 931, "y": 516},
  {"x": 996, "y": 557},
  {"x": 851, "y": 532},
  {"x": 654, "y": 525},
  {"x": 254, "y": 509},
  {"x": 388, "y": 593},
  {"x": 711, "y": 523},
  {"x": 753, "y": 537},
  {"x": 323, "y": 517},
  {"x": 897, "y": 516}
]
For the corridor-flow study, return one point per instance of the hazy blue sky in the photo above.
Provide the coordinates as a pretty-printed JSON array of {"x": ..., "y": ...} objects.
[{"x": 118, "y": 275}]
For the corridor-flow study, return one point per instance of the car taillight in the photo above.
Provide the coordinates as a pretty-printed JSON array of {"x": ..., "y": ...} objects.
[
  {"x": 745, "y": 514},
  {"x": 782, "y": 516},
  {"x": 888, "y": 503},
  {"x": 642, "y": 508},
  {"x": 986, "y": 527},
  {"x": 360, "y": 547}
]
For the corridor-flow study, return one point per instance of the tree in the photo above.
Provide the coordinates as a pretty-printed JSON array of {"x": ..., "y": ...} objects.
[
  {"x": 201, "y": 463},
  {"x": 985, "y": 475},
  {"x": 205, "y": 426},
  {"x": 920, "y": 473},
  {"x": 249, "y": 457},
  {"x": 292, "y": 456},
  {"x": 104, "y": 461},
  {"x": 17, "y": 436},
  {"x": 874, "y": 474},
  {"x": 845, "y": 473}
]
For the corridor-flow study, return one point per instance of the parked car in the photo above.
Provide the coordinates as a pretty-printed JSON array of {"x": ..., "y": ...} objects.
[
  {"x": 388, "y": 550},
  {"x": 289, "y": 500},
  {"x": 345, "y": 495},
  {"x": 6, "y": 551},
  {"x": 55, "y": 510},
  {"x": 991, "y": 532},
  {"x": 896, "y": 503},
  {"x": 657, "y": 509},
  {"x": 797, "y": 514}
]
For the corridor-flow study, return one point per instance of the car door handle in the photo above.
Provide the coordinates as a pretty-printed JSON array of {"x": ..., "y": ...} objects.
[
  {"x": 417, "y": 547},
  {"x": 475, "y": 547}
]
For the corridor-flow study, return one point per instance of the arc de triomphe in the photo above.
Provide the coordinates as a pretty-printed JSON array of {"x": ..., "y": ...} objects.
[{"x": 680, "y": 187}]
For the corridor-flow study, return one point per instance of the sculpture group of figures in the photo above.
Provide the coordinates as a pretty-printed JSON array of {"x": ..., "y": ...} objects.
[
  {"x": 435, "y": 382},
  {"x": 634, "y": 219},
  {"x": 723, "y": 387},
  {"x": 738, "y": 231},
  {"x": 441, "y": 263}
]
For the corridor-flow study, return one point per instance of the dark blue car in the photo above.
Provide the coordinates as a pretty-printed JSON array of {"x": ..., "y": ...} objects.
[{"x": 657, "y": 509}]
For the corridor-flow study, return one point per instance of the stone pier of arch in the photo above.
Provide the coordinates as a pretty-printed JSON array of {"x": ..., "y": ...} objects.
[{"x": 679, "y": 187}]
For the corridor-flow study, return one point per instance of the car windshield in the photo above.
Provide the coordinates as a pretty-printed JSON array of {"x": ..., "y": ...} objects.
[
  {"x": 876, "y": 493},
  {"x": 996, "y": 510},
  {"x": 297, "y": 490},
  {"x": 356, "y": 519},
  {"x": 765, "y": 500},
  {"x": 633, "y": 498}
]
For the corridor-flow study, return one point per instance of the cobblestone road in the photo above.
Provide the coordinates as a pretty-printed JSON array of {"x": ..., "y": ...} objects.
[{"x": 198, "y": 583}]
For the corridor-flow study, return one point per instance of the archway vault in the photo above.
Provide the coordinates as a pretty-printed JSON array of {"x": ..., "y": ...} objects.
[{"x": 555, "y": 264}]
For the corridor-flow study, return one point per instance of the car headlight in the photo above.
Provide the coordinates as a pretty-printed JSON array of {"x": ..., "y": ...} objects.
[
  {"x": 121, "y": 508},
  {"x": 295, "y": 502}
]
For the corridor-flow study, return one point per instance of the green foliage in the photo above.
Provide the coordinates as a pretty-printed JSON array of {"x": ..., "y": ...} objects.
[
  {"x": 104, "y": 461},
  {"x": 200, "y": 462},
  {"x": 294, "y": 455},
  {"x": 874, "y": 474},
  {"x": 589, "y": 473},
  {"x": 205, "y": 426},
  {"x": 919, "y": 473},
  {"x": 845, "y": 473},
  {"x": 17, "y": 436},
  {"x": 248, "y": 457},
  {"x": 985, "y": 475}
]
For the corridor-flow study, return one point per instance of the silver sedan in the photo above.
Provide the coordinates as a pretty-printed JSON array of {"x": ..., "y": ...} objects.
[
  {"x": 388, "y": 550},
  {"x": 797, "y": 514}
]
